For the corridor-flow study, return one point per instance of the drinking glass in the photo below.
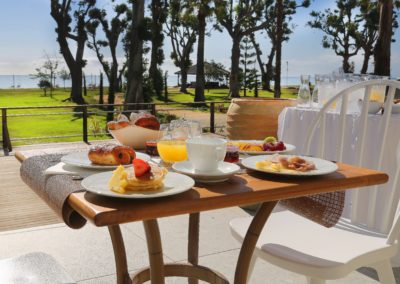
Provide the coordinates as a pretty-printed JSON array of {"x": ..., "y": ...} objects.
[
  {"x": 171, "y": 145},
  {"x": 304, "y": 95}
]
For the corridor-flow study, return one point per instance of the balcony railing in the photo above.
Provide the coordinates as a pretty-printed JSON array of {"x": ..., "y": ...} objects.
[{"x": 85, "y": 111}]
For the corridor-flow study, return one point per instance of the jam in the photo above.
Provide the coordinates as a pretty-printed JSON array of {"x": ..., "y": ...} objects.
[
  {"x": 232, "y": 154},
  {"x": 151, "y": 148}
]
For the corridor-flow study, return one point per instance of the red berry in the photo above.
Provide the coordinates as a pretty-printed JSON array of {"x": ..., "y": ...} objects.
[{"x": 140, "y": 167}]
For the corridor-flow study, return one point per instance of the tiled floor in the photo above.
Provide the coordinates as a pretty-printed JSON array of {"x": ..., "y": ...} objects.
[{"x": 87, "y": 253}]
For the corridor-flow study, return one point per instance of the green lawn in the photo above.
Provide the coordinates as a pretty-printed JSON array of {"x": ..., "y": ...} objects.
[
  {"x": 63, "y": 122},
  {"x": 222, "y": 94}
]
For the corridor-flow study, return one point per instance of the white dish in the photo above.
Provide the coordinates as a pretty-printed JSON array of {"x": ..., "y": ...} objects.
[
  {"x": 174, "y": 183},
  {"x": 289, "y": 148},
  {"x": 224, "y": 172},
  {"x": 80, "y": 159},
  {"x": 135, "y": 136},
  {"x": 323, "y": 167}
]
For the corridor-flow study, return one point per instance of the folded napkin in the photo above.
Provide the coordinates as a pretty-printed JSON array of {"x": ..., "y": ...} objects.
[
  {"x": 54, "y": 189},
  {"x": 64, "y": 169}
]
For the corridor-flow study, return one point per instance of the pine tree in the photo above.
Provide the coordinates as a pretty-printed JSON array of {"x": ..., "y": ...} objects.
[{"x": 247, "y": 62}]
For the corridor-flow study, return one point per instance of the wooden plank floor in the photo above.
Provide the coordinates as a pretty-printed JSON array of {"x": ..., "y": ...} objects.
[{"x": 20, "y": 207}]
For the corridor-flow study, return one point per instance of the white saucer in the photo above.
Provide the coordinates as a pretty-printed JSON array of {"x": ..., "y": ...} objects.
[{"x": 223, "y": 173}]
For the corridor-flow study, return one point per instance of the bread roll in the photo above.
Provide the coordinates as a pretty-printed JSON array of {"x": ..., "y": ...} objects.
[
  {"x": 114, "y": 125},
  {"x": 111, "y": 154},
  {"x": 146, "y": 120}
]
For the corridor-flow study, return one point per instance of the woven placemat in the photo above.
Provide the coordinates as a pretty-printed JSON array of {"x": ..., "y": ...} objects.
[
  {"x": 325, "y": 209},
  {"x": 53, "y": 189}
]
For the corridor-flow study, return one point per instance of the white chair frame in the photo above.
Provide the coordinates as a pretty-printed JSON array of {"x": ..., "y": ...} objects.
[{"x": 382, "y": 263}]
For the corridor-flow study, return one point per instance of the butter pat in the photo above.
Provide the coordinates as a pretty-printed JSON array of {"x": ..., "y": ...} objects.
[{"x": 118, "y": 182}]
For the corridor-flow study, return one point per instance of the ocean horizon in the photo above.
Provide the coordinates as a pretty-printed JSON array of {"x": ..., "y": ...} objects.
[{"x": 27, "y": 82}]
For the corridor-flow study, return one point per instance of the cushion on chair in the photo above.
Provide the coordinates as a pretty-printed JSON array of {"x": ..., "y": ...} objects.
[
  {"x": 291, "y": 238},
  {"x": 33, "y": 268}
]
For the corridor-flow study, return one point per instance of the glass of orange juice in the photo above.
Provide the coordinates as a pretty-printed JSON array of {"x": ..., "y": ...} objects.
[
  {"x": 172, "y": 151},
  {"x": 171, "y": 145}
]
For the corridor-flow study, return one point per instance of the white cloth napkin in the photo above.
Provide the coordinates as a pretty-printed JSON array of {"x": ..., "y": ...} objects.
[{"x": 64, "y": 169}]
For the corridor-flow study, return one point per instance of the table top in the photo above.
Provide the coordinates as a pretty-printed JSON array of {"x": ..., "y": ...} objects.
[{"x": 242, "y": 189}]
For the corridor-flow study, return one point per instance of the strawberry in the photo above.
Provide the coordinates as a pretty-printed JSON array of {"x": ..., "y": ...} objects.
[{"x": 141, "y": 167}]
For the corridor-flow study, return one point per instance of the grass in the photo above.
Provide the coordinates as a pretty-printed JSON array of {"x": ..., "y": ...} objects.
[
  {"x": 174, "y": 95},
  {"x": 66, "y": 123}
]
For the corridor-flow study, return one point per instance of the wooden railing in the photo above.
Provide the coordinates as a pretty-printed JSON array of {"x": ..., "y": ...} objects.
[{"x": 85, "y": 111}]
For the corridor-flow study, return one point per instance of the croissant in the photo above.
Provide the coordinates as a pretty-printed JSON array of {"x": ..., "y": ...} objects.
[{"x": 110, "y": 154}]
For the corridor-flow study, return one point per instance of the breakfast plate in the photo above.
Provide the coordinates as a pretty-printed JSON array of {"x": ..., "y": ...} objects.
[
  {"x": 223, "y": 173},
  {"x": 289, "y": 148},
  {"x": 322, "y": 167},
  {"x": 174, "y": 183},
  {"x": 80, "y": 159}
]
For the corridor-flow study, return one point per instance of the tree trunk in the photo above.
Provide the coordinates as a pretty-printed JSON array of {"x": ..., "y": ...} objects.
[
  {"x": 111, "y": 94},
  {"x": 76, "y": 85},
  {"x": 384, "y": 41},
  {"x": 135, "y": 73},
  {"x": 157, "y": 39},
  {"x": 345, "y": 64},
  {"x": 166, "y": 87},
  {"x": 183, "y": 88},
  {"x": 101, "y": 90},
  {"x": 234, "y": 83},
  {"x": 278, "y": 60},
  {"x": 74, "y": 69},
  {"x": 84, "y": 85},
  {"x": 270, "y": 70},
  {"x": 367, "y": 55},
  {"x": 200, "y": 80},
  {"x": 259, "y": 60}
]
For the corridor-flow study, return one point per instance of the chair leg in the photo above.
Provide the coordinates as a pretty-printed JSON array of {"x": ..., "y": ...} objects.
[
  {"x": 251, "y": 267},
  {"x": 385, "y": 272},
  {"x": 311, "y": 280}
]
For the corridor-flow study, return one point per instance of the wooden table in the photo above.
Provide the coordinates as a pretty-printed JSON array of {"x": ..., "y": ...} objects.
[{"x": 242, "y": 189}]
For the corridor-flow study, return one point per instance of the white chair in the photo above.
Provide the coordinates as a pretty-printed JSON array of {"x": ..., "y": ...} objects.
[
  {"x": 297, "y": 244},
  {"x": 33, "y": 268}
]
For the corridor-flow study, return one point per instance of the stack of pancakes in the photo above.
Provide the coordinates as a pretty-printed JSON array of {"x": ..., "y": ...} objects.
[{"x": 122, "y": 181}]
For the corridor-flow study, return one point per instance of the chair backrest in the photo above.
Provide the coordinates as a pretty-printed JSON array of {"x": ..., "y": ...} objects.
[{"x": 387, "y": 222}]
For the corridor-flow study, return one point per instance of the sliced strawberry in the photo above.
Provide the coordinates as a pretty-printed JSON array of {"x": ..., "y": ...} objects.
[{"x": 141, "y": 167}]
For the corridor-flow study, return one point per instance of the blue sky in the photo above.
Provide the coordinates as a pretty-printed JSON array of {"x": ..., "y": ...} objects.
[{"x": 27, "y": 30}]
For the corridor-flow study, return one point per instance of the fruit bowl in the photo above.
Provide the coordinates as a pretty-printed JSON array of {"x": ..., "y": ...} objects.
[{"x": 134, "y": 136}]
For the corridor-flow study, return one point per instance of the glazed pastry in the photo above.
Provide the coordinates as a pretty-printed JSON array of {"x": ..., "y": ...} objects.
[
  {"x": 115, "y": 125},
  {"x": 111, "y": 154},
  {"x": 146, "y": 120}
]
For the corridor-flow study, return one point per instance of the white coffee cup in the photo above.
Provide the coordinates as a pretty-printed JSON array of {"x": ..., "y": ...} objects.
[{"x": 206, "y": 153}]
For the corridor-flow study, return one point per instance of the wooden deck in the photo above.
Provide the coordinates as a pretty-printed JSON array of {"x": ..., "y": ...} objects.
[{"x": 20, "y": 207}]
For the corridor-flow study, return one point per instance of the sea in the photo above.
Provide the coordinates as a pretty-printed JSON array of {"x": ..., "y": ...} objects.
[{"x": 28, "y": 82}]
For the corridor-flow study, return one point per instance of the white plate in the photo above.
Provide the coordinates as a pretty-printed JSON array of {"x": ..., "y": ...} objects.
[
  {"x": 323, "y": 167},
  {"x": 174, "y": 183},
  {"x": 224, "y": 172},
  {"x": 80, "y": 159},
  {"x": 289, "y": 148}
]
